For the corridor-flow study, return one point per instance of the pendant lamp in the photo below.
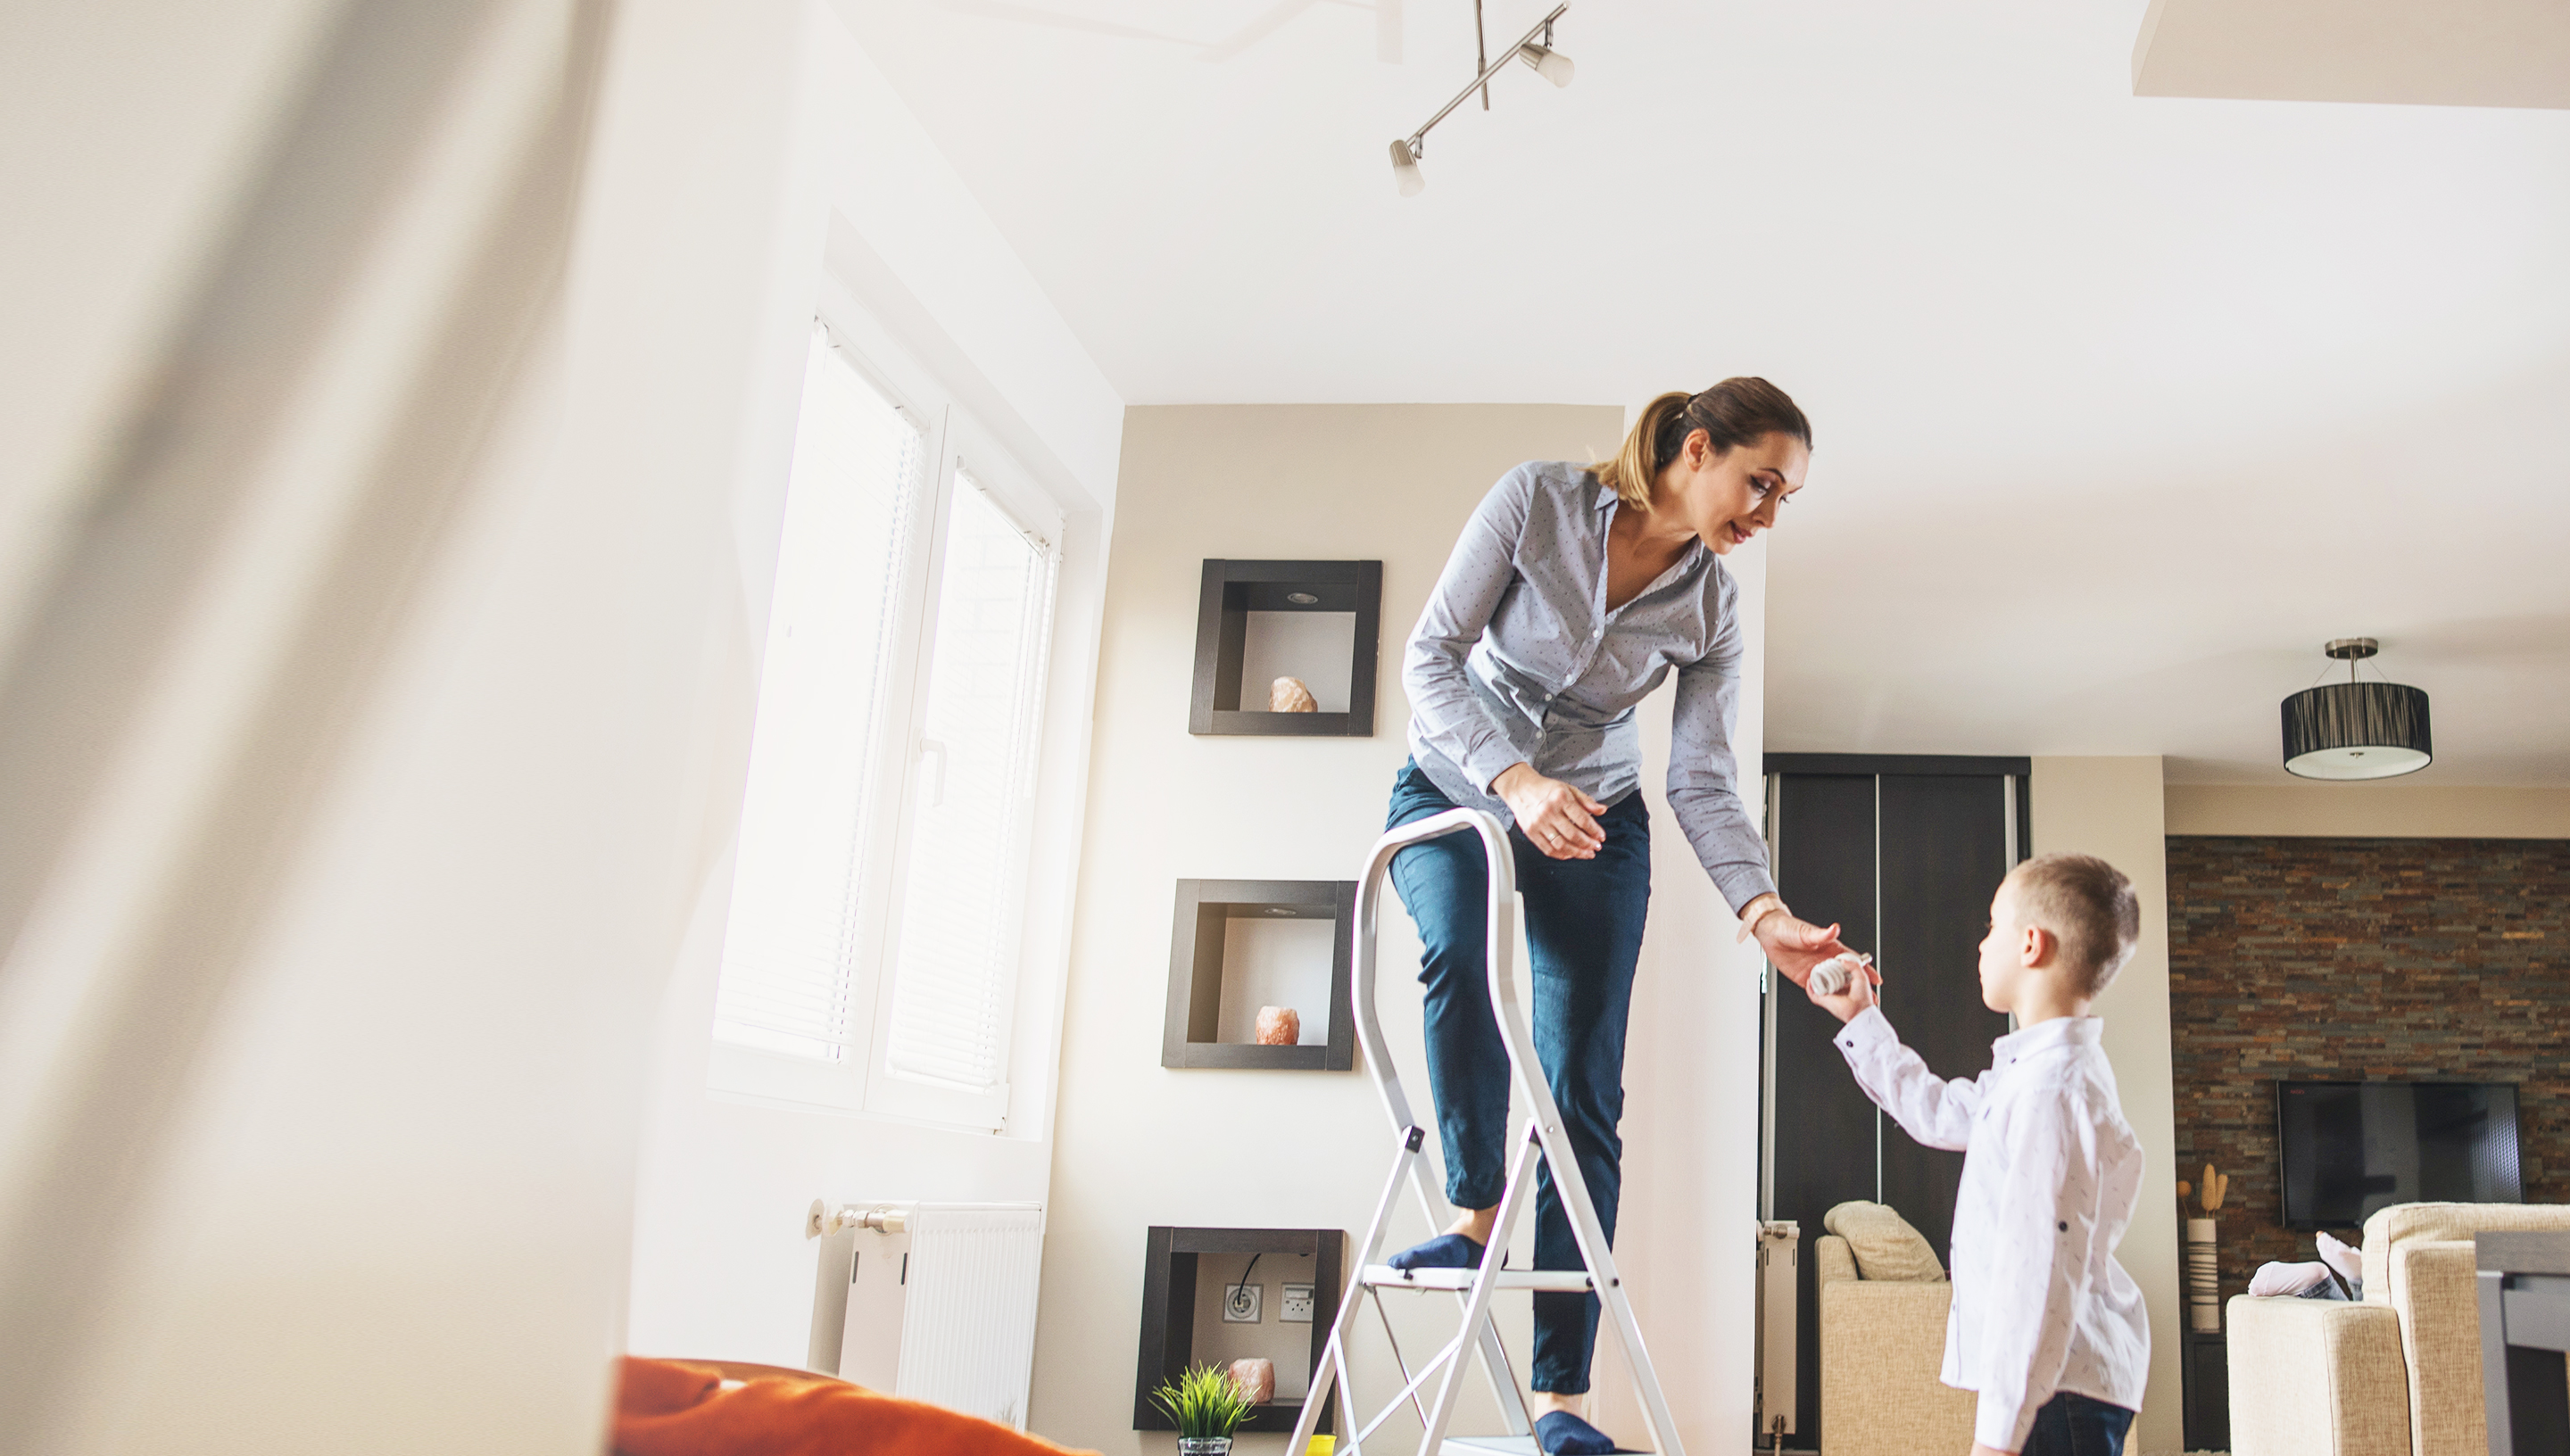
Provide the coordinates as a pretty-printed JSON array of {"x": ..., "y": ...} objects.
[{"x": 2356, "y": 730}]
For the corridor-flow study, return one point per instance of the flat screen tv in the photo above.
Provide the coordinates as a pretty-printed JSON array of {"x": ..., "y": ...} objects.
[{"x": 2350, "y": 1148}]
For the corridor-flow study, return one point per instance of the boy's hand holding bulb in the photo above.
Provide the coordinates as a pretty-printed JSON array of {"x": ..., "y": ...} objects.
[{"x": 1842, "y": 985}]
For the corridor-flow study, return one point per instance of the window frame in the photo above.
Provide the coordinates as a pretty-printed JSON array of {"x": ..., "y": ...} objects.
[{"x": 954, "y": 446}]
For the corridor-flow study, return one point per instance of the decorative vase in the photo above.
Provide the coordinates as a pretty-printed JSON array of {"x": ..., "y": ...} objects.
[
  {"x": 2203, "y": 1279},
  {"x": 1205, "y": 1446}
]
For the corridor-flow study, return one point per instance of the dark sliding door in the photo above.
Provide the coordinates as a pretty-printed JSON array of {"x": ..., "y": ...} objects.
[{"x": 1903, "y": 853}]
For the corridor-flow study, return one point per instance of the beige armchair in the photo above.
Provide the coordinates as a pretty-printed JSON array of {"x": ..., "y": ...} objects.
[
  {"x": 1882, "y": 1344},
  {"x": 2397, "y": 1375}
]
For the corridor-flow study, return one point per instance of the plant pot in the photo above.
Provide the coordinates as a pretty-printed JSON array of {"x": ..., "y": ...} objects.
[{"x": 1205, "y": 1446}]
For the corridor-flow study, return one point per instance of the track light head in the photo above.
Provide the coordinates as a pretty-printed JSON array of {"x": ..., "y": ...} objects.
[
  {"x": 1548, "y": 63},
  {"x": 1405, "y": 170}
]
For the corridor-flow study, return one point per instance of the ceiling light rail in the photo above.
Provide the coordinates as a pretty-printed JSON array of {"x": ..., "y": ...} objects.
[{"x": 1534, "y": 48}]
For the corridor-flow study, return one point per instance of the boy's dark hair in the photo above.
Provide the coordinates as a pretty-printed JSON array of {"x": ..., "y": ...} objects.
[{"x": 2088, "y": 906}]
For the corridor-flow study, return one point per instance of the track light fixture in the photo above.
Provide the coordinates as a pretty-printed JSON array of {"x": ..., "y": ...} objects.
[
  {"x": 1548, "y": 63},
  {"x": 1405, "y": 170},
  {"x": 1534, "y": 48}
]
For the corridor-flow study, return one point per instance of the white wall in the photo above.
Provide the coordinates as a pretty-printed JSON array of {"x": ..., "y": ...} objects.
[
  {"x": 1138, "y": 1145},
  {"x": 2369, "y": 811},
  {"x": 827, "y": 175},
  {"x": 2110, "y": 807},
  {"x": 328, "y": 1051},
  {"x": 363, "y": 916}
]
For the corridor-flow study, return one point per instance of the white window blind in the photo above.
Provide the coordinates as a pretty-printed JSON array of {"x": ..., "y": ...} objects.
[
  {"x": 790, "y": 952},
  {"x": 954, "y": 966}
]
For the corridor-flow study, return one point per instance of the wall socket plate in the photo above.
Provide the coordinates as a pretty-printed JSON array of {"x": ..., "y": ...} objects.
[
  {"x": 1296, "y": 1306},
  {"x": 1240, "y": 1304}
]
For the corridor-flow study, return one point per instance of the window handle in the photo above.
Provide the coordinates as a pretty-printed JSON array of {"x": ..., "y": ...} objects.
[{"x": 933, "y": 785}]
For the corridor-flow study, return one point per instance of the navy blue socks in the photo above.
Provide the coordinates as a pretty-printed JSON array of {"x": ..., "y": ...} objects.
[
  {"x": 1446, "y": 1250},
  {"x": 1564, "y": 1434}
]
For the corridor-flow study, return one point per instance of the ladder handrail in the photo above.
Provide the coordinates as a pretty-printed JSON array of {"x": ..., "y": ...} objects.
[{"x": 1500, "y": 927}]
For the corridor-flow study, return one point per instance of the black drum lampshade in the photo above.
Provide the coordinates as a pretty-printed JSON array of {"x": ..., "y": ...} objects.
[{"x": 2357, "y": 730}]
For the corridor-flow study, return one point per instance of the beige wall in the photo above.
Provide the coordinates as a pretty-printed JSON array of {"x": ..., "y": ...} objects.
[
  {"x": 2369, "y": 811},
  {"x": 1138, "y": 1145},
  {"x": 2111, "y": 808}
]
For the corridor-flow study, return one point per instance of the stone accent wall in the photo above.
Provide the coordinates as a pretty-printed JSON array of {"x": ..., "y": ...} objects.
[{"x": 2355, "y": 958}]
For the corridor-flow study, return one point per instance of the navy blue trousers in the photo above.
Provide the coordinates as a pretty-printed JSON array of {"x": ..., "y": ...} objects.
[
  {"x": 2077, "y": 1425},
  {"x": 1584, "y": 925}
]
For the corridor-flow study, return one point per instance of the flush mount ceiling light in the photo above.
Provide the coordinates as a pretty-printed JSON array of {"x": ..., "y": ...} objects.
[
  {"x": 1536, "y": 49},
  {"x": 2356, "y": 730}
]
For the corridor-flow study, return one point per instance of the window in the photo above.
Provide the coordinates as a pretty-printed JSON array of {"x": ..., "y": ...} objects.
[{"x": 871, "y": 957}]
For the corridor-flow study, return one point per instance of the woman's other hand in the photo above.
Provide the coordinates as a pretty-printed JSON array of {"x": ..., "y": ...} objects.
[{"x": 1555, "y": 818}]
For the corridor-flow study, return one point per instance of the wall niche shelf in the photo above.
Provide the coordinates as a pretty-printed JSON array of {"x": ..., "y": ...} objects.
[
  {"x": 1320, "y": 622},
  {"x": 1184, "y": 1275},
  {"x": 1236, "y": 943}
]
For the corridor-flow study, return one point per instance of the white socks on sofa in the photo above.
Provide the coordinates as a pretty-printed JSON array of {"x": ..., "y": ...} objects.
[{"x": 2276, "y": 1279}]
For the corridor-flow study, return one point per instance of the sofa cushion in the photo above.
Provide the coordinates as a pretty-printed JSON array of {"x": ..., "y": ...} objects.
[{"x": 1885, "y": 1245}]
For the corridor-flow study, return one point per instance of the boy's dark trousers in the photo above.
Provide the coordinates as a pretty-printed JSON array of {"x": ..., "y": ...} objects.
[{"x": 2076, "y": 1425}]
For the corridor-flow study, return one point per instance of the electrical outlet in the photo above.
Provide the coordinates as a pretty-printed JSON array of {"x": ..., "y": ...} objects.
[
  {"x": 1296, "y": 1306},
  {"x": 1240, "y": 1304}
]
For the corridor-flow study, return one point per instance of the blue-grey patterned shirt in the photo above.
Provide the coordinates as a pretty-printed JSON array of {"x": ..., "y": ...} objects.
[{"x": 1518, "y": 660}]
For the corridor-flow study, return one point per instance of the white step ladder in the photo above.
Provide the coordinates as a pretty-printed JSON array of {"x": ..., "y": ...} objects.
[{"x": 1544, "y": 1143}]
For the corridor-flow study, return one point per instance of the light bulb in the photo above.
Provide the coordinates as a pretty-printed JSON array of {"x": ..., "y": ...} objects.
[
  {"x": 1548, "y": 63},
  {"x": 1405, "y": 170}
]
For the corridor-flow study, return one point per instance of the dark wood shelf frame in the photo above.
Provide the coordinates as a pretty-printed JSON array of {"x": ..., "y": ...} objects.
[
  {"x": 1231, "y": 592},
  {"x": 2205, "y": 1365},
  {"x": 1206, "y": 911},
  {"x": 1170, "y": 1309}
]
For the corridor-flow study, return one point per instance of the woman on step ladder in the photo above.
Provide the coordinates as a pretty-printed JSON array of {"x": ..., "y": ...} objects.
[{"x": 1572, "y": 592}]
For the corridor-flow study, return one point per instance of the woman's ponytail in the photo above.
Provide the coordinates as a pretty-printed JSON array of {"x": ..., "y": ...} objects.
[{"x": 1732, "y": 413}]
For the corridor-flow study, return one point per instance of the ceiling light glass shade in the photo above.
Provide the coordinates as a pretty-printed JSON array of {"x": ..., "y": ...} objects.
[
  {"x": 1405, "y": 170},
  {"x": 2357, "y": 730},
  {"x": 1548, "y": 63}
]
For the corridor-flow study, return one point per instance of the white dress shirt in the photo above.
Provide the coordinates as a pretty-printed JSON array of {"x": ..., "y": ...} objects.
[{"x": 2051, "y": 1175}]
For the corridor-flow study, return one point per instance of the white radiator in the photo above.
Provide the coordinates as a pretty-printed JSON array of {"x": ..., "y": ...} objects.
[
  {"x": 933, "y": 1301},
  {"x": 1780, "y": 1274}
]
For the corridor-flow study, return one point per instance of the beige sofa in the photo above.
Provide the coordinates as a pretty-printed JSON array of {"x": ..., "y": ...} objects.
[
  {"x": 1882, "y": 1344},
  {"x": 2397, "y": 1375}
]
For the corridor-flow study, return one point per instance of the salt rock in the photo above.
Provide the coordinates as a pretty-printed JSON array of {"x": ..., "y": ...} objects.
[
  {"x": 1279, "y": 1026},
  {"x": 1288, "y": 695},
  {"x": 1256, "y": 1379}
]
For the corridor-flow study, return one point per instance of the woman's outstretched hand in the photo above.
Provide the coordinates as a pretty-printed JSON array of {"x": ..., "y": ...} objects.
[
  {"x": 1795, "y": 945},
  {"x": 1555, "y": 818}
]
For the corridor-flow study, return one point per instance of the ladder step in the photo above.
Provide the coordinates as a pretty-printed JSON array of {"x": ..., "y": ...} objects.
[
  {"x": 1498, "y": 1446},
  {"x": 1548, "y": 1281}
]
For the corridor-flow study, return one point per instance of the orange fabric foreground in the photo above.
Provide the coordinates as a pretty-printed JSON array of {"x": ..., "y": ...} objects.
[{"x": 664, "y": 1408}]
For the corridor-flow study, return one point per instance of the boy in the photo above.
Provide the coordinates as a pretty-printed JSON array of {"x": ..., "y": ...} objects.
[{"x": 2045, "y": 1325}]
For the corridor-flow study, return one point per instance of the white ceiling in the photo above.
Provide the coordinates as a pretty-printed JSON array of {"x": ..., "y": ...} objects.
[{"x": 2123, "y": 405}]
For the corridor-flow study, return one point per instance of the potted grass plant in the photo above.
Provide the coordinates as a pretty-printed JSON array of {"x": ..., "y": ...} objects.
[{"x": 1208, "y": 1405}]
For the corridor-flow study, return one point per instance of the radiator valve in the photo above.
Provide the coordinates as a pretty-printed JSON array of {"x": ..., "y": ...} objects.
[{"x": 824, "y": 1219}]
